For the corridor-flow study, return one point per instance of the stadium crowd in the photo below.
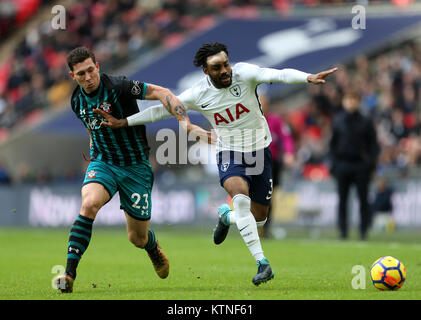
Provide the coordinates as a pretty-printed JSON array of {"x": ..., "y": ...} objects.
[
  {"x": 36, "y": 70},
  {"x": 34, "y": 77},
  {"x": 14, "y": 14},
  {"x": 390, "y": 88}
]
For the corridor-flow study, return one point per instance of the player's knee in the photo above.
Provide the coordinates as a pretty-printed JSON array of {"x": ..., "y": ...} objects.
[
  {"x": 236, "y": 185},
  {"x": 90, "y": 208},
  {"x": 138, "y": 240}
]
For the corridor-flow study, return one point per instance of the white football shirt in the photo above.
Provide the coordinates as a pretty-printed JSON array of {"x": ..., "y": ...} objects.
[{"x": 235, "y": 112}]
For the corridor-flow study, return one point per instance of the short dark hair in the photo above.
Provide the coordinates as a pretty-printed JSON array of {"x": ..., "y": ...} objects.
[
  {"x": 207, "y": 50},
  {"x": 352, "y": 93},
  {"x": 78, "y": 55}
]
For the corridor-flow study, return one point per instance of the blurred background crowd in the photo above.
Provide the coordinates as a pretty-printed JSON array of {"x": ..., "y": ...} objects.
[
  {"x": 389, "y": 84},
  {"x": 34, "y": 75}
]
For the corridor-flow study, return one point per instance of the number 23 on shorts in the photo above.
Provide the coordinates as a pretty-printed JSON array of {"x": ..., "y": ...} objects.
[{"x": 141, "y": 202}]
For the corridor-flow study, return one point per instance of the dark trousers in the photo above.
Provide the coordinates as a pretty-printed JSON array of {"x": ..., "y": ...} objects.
[{"x": 345, "y": 179}]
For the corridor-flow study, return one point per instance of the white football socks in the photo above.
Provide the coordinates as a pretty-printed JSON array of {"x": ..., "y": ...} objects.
[
  {"x": 232, "y": 219},
  {"x": 246, "y": 224}
]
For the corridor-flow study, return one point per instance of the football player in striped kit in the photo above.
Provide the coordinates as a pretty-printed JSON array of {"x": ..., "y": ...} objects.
[
  {"x": 118, "y": 158},
  {"x": 227, "y": 97}
]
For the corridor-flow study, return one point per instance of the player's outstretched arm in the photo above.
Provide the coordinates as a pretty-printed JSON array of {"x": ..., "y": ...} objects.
[
  {"x": 149, "y": 115},
  {"x": 319, "y": 78},
  {"x": 287, "y": 75},
  {"x": 156, "y": 113},
  {"x": 170, "y": 102}
]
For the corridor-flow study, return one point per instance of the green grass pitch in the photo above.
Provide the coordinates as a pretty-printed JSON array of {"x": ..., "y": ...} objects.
[{"x": 113, "y": 269}]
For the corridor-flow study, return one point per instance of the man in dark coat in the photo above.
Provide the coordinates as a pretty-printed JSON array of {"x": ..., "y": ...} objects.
[{"x": 354, "y": 152}]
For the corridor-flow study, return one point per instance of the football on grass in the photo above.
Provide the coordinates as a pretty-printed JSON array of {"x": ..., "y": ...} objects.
[{"x": 388, "y": 273}]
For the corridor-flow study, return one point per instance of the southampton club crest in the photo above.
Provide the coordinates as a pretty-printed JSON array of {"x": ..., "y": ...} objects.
[
  {"x": 91, "y": 174},
  {"x": 235, "y": 90},
  {"x": 105, "y": 106}
]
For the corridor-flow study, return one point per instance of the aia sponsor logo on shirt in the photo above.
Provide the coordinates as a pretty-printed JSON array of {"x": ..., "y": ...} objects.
[{"x": 228, "y": 116}]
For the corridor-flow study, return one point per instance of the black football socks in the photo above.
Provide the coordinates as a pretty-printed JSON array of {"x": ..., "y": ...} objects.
[
  {"x": 79, "y": 238},
  {"x": 151, "y": 245}
]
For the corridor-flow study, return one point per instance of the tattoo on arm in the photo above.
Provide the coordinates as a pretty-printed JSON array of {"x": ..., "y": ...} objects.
[
  {"x": 168, "y": 98},
  {"x": 180, "y": 111},
  {"x": 177, "y": 109}
]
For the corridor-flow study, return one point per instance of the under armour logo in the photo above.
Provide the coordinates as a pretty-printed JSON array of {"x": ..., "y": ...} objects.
[{"x": 73, "y": 249}]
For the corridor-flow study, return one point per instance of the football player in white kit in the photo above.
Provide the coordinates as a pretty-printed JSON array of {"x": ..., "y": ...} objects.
[{"x": 228, "y": 98}]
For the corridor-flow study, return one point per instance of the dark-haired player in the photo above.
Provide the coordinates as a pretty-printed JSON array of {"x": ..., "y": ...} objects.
[
  {"x": 228, "y": 98},
  {"x": 119, "y": 158}
]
